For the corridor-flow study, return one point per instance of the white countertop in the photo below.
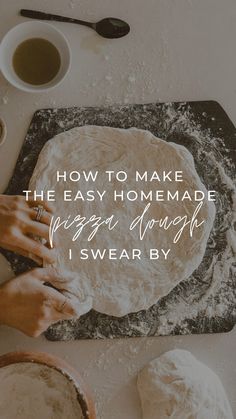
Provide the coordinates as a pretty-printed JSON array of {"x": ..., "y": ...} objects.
[{"x": 177, "y": 50}]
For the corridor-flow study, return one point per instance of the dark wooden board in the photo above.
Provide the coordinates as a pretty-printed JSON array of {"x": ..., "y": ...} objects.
[{"x": 206, "y": 302}]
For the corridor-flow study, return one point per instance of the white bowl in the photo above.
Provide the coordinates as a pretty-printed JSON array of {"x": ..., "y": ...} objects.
[{"x": 21, "y": 33}]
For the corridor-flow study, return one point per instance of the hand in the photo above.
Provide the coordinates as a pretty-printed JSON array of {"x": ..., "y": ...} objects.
[
  {"x": 30, "y": 306},
  {"x": 17, "y": 225}
]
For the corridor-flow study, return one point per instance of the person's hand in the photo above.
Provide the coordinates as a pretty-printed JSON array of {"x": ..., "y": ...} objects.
[
  {"x": 30, "y": 306},
  {"x": 18, "y": 224}
]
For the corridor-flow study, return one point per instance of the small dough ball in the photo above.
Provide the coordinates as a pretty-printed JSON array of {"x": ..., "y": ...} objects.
[{"x": 177, "y": 386}]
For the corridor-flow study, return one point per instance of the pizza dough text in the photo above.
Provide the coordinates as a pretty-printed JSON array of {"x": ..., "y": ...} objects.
[{"x": 142, "y": 223}]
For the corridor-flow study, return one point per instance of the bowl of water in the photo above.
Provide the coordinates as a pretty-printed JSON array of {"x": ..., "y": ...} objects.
[{"x": 34, "y": 56}]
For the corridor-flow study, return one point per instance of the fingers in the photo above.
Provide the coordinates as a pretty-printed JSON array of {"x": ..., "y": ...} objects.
[
  {"x": 49, "y": 318},
  {"x": 64, "y": 306},
  {"x": 65, "y": 310},
  {"x": 45, "y": 219},
  {"x": 48, "y": 206},
  {"x": 36, "y": 249},
  {"x": 26, "y": 208},
  {"x": 21, "y": 202},
  {"x": 49, "y": 274},
  {"x": 61, "y": 306},
  {"x": 29, "y": 206},
  {"x": 24, "y": 253},
  {"x": 38, "y": 229}
]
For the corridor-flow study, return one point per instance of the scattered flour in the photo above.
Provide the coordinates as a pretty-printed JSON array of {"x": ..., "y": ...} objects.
[{"x": 5, "y": 100}]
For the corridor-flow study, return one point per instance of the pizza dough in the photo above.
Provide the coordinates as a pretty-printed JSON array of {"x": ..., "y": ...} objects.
[
  {"x": 117, "y": 287},
  {"x": 176, "y": 385}
]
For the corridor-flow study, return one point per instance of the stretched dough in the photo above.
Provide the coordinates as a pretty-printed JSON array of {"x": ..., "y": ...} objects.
[
  {"x": 176, "y": 385},
  {"x": 118, "y": 287}
]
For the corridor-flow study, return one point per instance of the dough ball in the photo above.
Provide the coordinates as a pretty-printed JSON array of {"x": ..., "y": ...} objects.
[{"x": 178, "y": 386}]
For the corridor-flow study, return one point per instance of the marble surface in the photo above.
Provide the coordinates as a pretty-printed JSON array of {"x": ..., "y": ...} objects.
[{"x": 177, "y": 50}]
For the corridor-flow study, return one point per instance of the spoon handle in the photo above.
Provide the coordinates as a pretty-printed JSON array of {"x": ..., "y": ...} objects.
[{"x": 34, "y": 14}]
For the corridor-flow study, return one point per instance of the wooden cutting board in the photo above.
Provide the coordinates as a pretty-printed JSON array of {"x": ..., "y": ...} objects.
[{"x": 206, "y": 302}]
